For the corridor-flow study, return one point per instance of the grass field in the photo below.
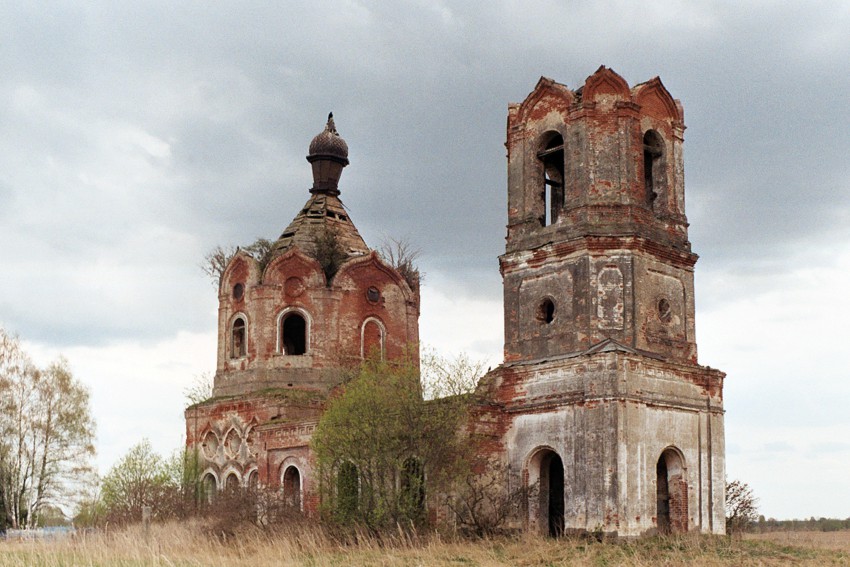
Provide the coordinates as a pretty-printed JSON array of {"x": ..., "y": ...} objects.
[{"x": 188, "y": 545}]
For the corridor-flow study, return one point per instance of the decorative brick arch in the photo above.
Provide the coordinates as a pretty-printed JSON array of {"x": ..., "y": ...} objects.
[
  {"x": 210, "y": 484},
  {"x": 210, "y": 444},
  {"x": 373, "y": 337},
  {"x": 232, "y": 442},
  {"x": 292, "y": 485}
]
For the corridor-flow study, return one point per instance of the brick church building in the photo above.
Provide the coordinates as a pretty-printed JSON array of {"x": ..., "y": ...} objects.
[{"x": 600, "y": 402}]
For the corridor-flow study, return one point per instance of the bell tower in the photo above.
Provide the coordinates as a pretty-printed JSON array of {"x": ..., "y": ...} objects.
[
  {"x": 597, "y": 243},
  {"x": 603, "y": 412}
]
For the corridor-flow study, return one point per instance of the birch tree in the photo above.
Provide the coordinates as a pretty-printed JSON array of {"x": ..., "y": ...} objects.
[{"x": 46, "y": 435}]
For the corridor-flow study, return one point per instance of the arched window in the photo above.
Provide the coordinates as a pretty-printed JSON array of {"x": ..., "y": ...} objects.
[
  {"x": 552, "y": 192},
  {"x": 671, "y": 493},
  {"x": 238, "y": 338},
  {"x": 372, "y": 342},
  {"x": 292, "y": 487},
  {"x": 293, "y": 333},
  {"x": 253, "y": 480},
  {"x": 209, "y": 485},
  {"x": 231, "y": 483},
  {"x": 347, "y": 490},
  {"x": 653, "y": 170}
]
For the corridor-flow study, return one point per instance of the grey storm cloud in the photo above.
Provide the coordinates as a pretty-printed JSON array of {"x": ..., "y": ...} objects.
[
  {"x": 139, "y": 136},
  {"x": 135, "y": 137}
]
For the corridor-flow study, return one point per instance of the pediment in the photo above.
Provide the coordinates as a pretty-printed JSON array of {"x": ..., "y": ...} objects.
[{"x": 656, "y": 101}]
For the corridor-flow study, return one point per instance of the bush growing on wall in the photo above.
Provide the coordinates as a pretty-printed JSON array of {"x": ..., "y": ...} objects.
[{"x": 379, "y": 439}]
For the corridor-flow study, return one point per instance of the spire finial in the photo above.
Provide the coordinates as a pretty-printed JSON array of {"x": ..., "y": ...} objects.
[{"x": 328, "y": 154}]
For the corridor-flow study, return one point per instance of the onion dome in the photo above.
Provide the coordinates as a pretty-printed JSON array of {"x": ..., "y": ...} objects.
[{"x": 328, "y": 155}]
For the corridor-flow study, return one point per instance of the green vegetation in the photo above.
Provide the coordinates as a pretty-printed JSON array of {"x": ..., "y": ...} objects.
[
  {"x": 377, "y": 439},
  {"x": 217, "y": 259},
  {"x": 402, "y": 256},
  {"x": 741, "y": 507},
  {"x": 329, "y": 252},
  {"x": 812, "y": 524}
]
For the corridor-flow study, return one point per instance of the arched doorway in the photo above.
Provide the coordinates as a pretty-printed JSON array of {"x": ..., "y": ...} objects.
[
  {"x": 671, "y": 493},
  {"x": 292, "y": 487},
  {"x": 546, "y": 469}
]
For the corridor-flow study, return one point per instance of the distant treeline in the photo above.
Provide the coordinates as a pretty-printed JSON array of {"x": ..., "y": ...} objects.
[{"x": 812, "y": 524}]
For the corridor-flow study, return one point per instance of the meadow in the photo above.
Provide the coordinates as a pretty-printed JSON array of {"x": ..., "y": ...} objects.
[{"x": 191, "y": 544}]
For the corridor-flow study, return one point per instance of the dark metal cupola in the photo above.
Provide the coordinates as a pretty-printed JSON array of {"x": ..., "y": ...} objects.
[{"x": 328, "y": 155}]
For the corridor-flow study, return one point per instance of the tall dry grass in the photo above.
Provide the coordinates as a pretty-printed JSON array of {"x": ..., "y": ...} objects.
[
  {"x": 838, "y": 540},
  {"x": 192, "y": 544}
]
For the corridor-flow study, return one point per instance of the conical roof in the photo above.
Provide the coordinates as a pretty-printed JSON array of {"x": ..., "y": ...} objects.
[{"x": 321, "y": 213}]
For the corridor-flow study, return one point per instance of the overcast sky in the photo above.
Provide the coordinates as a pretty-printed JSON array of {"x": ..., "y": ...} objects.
[{"x": 135, "y": 136}]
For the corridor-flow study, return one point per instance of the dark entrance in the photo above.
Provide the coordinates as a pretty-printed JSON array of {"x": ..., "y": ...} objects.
[
  {"x": 662, "y": 496},
  {"x": 671, "y": 493},
  {"x": 555, "y": 476},
  {"x": 292, "y": 487},
  {"x": 552, "y": 493},
  {"x": 294, "y": 334}
]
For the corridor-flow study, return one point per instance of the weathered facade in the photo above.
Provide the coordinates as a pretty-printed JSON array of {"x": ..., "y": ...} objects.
[
  {"x": 600, "y": 404},
  {"x": 289, "y": 325},
  {"x": 600, "y": 400}
]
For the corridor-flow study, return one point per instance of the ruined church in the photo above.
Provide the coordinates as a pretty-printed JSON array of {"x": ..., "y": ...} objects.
[{"x": 600, "y": 402}]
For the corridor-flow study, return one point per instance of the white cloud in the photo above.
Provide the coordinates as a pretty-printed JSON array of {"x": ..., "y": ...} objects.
[
  {"x": 453, "y": 322},
  {"x": 137, "y": 389},
  {"x": 781, "y": 339}
]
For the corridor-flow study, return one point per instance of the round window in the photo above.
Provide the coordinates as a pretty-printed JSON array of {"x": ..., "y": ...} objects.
[
  {"x": 238, "y": 291},
  {"x": 373, "y": 295}
]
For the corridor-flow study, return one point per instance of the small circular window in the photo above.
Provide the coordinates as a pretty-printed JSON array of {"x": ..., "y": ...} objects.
[
  {"x": 373, "y": 295},
  {"x": 665, "y": 312},
  {"x": 238, "y": 291},
  {"x": 546, "y": 311}
]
